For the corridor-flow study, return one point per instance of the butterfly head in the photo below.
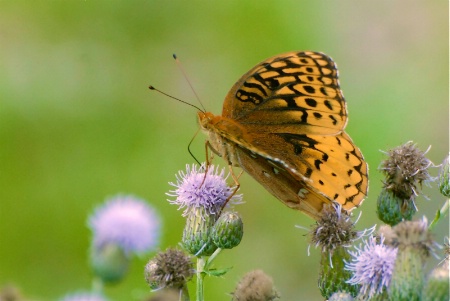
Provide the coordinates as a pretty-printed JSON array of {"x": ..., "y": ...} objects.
[{"x": 205, "y": 119}]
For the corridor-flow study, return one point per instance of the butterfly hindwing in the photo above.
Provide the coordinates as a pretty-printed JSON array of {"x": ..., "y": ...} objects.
[
  {"x": 293, "y": 192},
  {"x": 331, "y": 166}
]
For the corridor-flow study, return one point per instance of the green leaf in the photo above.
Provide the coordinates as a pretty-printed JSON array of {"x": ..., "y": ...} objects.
[
  {"x": 436, "y": 219},
  {"x": 216, "y": 272}
]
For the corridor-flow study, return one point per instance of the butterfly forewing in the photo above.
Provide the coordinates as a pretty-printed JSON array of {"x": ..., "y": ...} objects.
[
  {"x": 283, "y": 122},
  {"x": 296, "y": 92}
]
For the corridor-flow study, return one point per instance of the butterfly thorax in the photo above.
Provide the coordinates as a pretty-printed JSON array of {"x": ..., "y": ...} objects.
[{"x": 221, "y": 132}]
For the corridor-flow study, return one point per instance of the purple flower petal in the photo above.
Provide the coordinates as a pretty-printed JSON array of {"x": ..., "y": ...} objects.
[
  {"x": 126, "y": 221},
  {"x": 194, "y": 190}
]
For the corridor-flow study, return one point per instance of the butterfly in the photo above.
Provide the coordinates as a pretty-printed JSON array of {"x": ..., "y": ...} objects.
[{"x": 283, "y": 123}]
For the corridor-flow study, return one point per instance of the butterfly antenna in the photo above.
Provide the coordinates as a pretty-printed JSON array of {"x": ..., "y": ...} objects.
[
  {"x": 189, "y": 148},
  {"x": 189, "y": 82},
  {"x": 173, "y": 97}
]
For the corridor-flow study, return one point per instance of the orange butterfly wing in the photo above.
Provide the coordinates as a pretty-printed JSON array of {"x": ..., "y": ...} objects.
[{"x": 283, "y": 123}]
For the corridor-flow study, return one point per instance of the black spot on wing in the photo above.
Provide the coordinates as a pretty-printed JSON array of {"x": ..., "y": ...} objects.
[
  {"x": 308, "y": 172},
  {"x": 317, "y": 164},
  {"x": 311, "y": 102},
  {"x": 309, "y": 89}
]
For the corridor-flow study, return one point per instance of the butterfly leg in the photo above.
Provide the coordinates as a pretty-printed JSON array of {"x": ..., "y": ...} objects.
[
  {"x": 208, "y": 160},
  {"x": 236, "y": 183}
]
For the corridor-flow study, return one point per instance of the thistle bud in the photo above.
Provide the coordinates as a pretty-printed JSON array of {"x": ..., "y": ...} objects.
[
  {"x": 333, "y": 276},
  {"x": 437, "y": 286},
  {"x": 109, "y": 262},
  {"x": 392, "y": 210},
  {"x": 197, "y": 239},
  {"x": 228, "y": 230},
  {"x": 414, "y": 244}
]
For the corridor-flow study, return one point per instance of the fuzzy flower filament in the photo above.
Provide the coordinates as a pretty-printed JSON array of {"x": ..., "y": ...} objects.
[
  {"x": 372, "y": 266},
  {"x": 405, "y": 168},
  {"x": 127, "y": 222},
  {"x": 196, "y": 190}
]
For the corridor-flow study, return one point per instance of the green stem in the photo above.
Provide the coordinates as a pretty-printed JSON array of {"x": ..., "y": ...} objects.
[
  {"x": 184, "y": 294},
  {"x": 97, "y": 285},
  {"x": 200, "y": 276},
  {"x": 211, "y": 258}
]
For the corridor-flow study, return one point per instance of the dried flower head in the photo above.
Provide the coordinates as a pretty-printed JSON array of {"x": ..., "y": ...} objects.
[
  {"x": 334, "y": 232},
  {"x": 335, "y": 229},
  {"x": 169, "y": 269},
  {"x": 255, "y": 286},
  {"x": 405, "y": 168},
  {"x": 210, "y": 192},
  {"x": 412, "y": 234},
  {"x": 125, "y": 221},
  {"x": 372, "y": 266}
]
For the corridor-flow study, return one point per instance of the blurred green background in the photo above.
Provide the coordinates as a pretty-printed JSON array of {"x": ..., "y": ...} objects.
[{"x": 78, "y": 124}]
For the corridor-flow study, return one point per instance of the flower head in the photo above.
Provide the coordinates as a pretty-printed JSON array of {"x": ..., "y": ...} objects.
[
  {"x": 83, "y": 296},
  {"x": 405, "y": 168},
  {"x": 194, "y": 189},
  {"x": 411, "y": 234},
  {"x": 334, "y": 232},
  {"x": 255, "y": 286},
  {"x": 372, "y": 266},
  {"x": 125, "y": 221},
  {"x": 413, "y": 241},
  {"x": 335, "y": 229},
  {"x": 169, "y": 269}
]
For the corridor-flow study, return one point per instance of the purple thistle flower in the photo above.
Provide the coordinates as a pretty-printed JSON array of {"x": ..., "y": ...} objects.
[
  {"x": 372, "y": 266},
  {"x": 126, "y": 221},
  {"x": 194, "y": 190},
  {"x": 83, "y": 296}
]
